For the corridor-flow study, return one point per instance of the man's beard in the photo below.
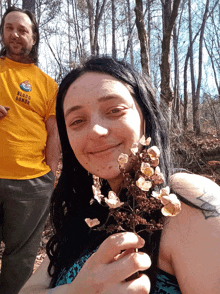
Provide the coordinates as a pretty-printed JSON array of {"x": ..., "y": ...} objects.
[{"x": 23, "y": 52}]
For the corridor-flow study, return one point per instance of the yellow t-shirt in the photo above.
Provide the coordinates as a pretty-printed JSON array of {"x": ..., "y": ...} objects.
[{"x": 31, "y": 95}]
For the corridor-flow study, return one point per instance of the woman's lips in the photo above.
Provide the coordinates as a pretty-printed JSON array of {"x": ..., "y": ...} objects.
[{"x": 103, "y": 149}]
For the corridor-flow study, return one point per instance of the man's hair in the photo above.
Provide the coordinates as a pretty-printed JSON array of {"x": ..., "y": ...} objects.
[{"x": 34, "y": 51}]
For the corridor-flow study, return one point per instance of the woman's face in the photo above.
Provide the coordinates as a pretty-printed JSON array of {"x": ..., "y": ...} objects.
[{"x": 102, "y": 121}]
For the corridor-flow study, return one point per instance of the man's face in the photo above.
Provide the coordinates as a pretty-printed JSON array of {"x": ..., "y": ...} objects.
[{"x": 18, "y": 36}]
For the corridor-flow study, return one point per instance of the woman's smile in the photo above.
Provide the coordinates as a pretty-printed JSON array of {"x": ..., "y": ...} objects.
[{"x": 103, "y": 150}]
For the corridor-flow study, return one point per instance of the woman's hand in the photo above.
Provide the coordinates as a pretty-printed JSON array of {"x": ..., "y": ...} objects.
[{"x": 108, "y": 268}]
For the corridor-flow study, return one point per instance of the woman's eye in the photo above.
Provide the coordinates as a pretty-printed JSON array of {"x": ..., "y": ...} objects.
[
  {"x": 116, "y": 110},
  {"x": 76, "y": 122}
]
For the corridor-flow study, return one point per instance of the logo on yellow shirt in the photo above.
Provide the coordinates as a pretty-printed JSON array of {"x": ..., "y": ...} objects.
[{"x": 25, "y": 86}]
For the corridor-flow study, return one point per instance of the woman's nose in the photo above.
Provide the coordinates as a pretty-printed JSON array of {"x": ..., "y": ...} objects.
[{"x": 99, "y": 130}]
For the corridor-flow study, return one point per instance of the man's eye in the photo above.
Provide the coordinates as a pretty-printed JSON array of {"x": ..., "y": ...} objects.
[{"x": 22, "y": 31}]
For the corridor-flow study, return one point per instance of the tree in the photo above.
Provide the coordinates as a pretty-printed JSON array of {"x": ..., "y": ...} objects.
[
  {"x": 94, "y": 22},
  {"x": 113, "y": 30},
  {"x": 142, "y": 34},
  {"x": 29, "y": 4},
  {"x": 169, "y": 12},
  {"x": 196, "y": 116}
]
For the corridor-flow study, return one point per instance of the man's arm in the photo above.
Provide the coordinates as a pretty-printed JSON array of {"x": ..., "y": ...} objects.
[
  {"x": 3, "y": 111},
  {"x": 52, "y": 150}
]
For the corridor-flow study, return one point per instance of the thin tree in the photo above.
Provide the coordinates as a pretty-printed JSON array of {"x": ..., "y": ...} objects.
[
  {"x": 143, "y": 38},
  {"x": 94, "y": 22},
  {"x": 169, "y": 12},
  {"x": 29, "y": 4},
  {"x": 114, "y": 53},
  {"x": 196, "y": 114}
]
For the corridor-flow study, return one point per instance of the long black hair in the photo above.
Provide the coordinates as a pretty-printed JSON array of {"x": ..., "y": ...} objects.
[
  {"x": 70, "y": 203},
  {"x": 34, "y": 51}
]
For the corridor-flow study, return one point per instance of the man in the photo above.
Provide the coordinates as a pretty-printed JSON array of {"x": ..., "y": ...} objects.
[{"x": 29, "y": 147}]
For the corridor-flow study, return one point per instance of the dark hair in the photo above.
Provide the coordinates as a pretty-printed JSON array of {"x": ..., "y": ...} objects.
[
  {"x": 70, "y": 203},
  {"x": 34, "y": 51}
]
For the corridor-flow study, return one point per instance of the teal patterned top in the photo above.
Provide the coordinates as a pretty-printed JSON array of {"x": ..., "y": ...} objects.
[{"x": 165, "y": 283}]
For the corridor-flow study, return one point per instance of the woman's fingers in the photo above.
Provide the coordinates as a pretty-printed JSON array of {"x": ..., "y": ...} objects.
[
  {"x": 115, "y": 261},
  {"x": 140, "y": 285},
  {"x": 123, "y": 268},
  {"x": 116, "y": 243}
]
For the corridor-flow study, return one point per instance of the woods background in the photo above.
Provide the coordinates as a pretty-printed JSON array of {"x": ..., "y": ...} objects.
[{"x": 175, "y": 42}]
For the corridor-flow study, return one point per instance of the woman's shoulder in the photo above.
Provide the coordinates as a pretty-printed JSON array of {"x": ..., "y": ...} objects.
[
  {"x": 190, "y": 241},
  {"x": 198, "y": 190}
]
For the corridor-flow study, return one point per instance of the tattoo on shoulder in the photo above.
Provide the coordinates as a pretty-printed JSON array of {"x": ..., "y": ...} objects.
[{"x": 210, "y": 204}]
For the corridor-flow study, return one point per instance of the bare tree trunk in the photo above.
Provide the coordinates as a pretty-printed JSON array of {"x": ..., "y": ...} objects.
[
  {"x": 91, "y": 29},
  {"x": 185, "y": 119},
  {"x": 191, "y": 51},
  {"x": 105, "y": 35},
  {"x": 98, "y": 16},
  {"x": 185, "y": 103},
  {"x": 176, "y": 104},
  {"x": 113, "y": 30},
  {"x": 142, "y": 35},
  {"x": 29, "y": 4},
  {"x": 196, "y": 114},
  {"x": 170, "y": 12},
  {"x": 130, "y": 44},
  {"x": 149, "y": 30},
  {"x": 9, "y": 3},
  {"x": 69, "y": 37}
]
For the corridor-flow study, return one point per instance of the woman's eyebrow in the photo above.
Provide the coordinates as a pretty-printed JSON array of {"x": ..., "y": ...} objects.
[
  {"x": 71, "y": 109},
  {"x": 101, "y": 99},
  {"x": 106, "y": 98}
]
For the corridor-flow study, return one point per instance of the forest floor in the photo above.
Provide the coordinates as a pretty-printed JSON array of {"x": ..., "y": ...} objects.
[{"x": 198, "y": 154}]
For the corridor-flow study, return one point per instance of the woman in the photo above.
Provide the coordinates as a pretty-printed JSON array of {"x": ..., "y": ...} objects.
[{"x": 103, "y": 108}]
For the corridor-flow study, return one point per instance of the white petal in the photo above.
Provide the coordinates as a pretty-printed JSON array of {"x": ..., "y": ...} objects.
[
  {"x": 134, "y": 148},
  {"x": 143, "y": 185},
  {"x": 92, "y": 222},
  {"x": 113, "y": 203},
  {"x": 122, "y": 159},
  {"x": 144, "y": 141}
]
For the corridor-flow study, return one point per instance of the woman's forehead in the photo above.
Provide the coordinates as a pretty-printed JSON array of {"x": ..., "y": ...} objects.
[{"x": 93, "y": 83}]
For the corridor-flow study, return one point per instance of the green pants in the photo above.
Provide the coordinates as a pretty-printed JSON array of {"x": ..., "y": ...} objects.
[{"x": 24, "y": 207}]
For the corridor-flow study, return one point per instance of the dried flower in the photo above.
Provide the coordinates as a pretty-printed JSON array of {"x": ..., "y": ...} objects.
[
  {"x": 147, "y": 169},
  {"x": 145, "y": 142},
  {"x": 92, "y": 222},
  {"x": 134, "y": 148},
  {"x": 97, "y": 194},
  {"x": 143, "y": 185},
  {"x": 113, "y": 201},
  {"x": 122, "y": 159},
  {"x": 136, "y": 211},
  {"x": 172, "y": 205},
  {"x": 158, "y": 177},
  {"x": 154, "y": 152}
]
